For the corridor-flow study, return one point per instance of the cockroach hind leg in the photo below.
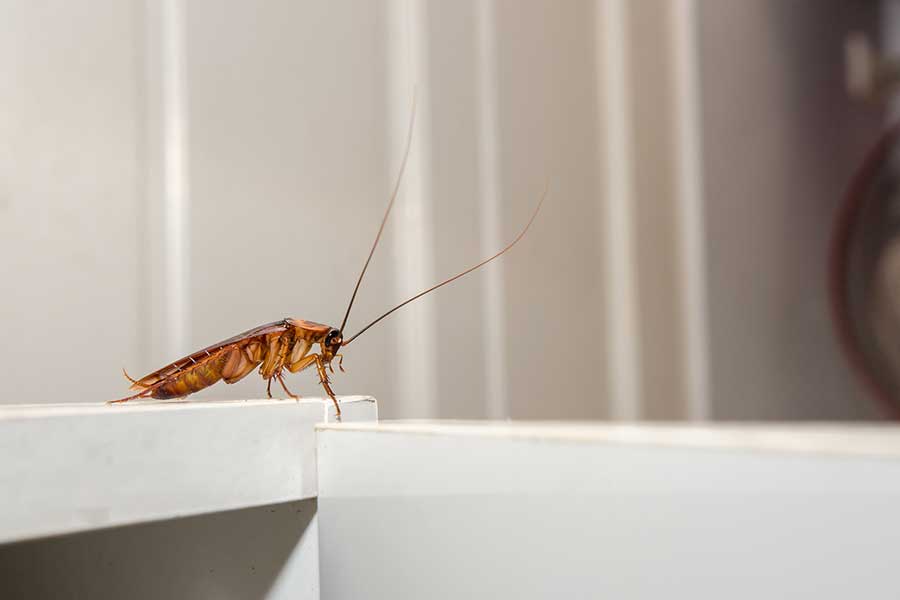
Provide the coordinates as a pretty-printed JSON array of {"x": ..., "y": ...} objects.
[
  {"x": 141, "y": 394},
  {"x": 127, "y": 376}
]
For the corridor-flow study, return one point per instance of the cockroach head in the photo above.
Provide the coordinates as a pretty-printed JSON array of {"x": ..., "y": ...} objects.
[{"x": 333, "y": 341}]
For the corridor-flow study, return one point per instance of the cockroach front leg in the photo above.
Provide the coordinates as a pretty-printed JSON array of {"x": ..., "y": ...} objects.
[
  {"x": 269, "y": 387},
  {"x": 323, "y": 379}
]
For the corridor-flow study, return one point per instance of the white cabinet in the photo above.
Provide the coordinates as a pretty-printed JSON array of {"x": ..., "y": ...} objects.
[
  {"x": 245, "y": 500},
  {"x": 565, "y": 511},
  {"x": 162, "y": 499}
]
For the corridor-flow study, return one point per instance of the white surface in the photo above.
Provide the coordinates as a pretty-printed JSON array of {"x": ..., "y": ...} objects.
[
  {"x": 70, "y": 212},
  {"x": 66, "y": 468},
  {"x": 538, "y": 511},
  {"x": 818, "y": 438}
]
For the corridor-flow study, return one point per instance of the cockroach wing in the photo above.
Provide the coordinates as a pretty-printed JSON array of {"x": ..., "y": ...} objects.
[{"x": 243, "y": 349}]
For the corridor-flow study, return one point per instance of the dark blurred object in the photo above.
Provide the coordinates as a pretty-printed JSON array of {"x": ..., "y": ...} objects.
[{"x": 865, "y": 271}]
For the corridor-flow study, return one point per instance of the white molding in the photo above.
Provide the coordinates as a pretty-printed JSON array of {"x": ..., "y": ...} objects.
[
  {"x": 166, "y": 182},
  {"x": 176, "y": 186},
  {"x": 494, "y": 291},
  {"x": 813, "y": 438},
  {"x": 691, "y": 216},
  {"x": 622, "y": 318},
  {"x": 412, "y": 237}
]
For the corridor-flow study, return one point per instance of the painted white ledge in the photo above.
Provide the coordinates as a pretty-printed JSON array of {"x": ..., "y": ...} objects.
[
  {"x": 823, "y": 438},
  {"x": 75, "y": 467},
  {"x": 487, "y": 510}
]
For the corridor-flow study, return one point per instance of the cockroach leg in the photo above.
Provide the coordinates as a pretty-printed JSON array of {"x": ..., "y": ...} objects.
[
  {"x": 127, "y": 376},
  {"x": 269, "y": 387},
  {"x": 323, "y": 380},
  {"x": 284, "y": 387},
  {"x": 141, "y": 394}
]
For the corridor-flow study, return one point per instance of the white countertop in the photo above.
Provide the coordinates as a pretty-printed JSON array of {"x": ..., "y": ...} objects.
[{"x": 75, "y": 467}]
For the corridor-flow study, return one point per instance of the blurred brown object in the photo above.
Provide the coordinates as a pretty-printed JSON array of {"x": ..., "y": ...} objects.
[{"x": 864, "y": 277}]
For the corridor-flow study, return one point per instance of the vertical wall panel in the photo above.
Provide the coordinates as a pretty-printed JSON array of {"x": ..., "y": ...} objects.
[
  {"x": 412, "y": 227},
  {"x": 494, "y": 332},
  {"x": 456, "y": 200},
  {"x": 616, "y": 125},
  {"x": 687, "y": 113},
  {"x": 655, "y": 210},
  {"x": 167, "y": 177},
  {"x": 555, "y": 303},
  {"x": 69, "y": 208}
]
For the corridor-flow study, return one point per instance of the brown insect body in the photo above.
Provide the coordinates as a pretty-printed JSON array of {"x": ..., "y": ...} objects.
[{"x": 284, "y": 344}]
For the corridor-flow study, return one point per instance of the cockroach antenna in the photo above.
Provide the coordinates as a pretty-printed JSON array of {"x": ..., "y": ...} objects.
[
  {"x": 387, "y": 212},
  {"x": 458, "y": 275}
]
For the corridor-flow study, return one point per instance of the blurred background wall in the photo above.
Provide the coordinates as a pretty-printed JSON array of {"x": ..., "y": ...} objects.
[{"x": 174, "y": 172}]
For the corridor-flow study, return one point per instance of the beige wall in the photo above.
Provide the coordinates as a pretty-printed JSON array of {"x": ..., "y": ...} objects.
[
  {"x": 176, "y": 172},
  {"x": 70, "y": 203}
]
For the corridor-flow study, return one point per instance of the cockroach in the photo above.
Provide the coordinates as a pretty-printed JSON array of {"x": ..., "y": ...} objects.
[{"x": 286, "y": 344}]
